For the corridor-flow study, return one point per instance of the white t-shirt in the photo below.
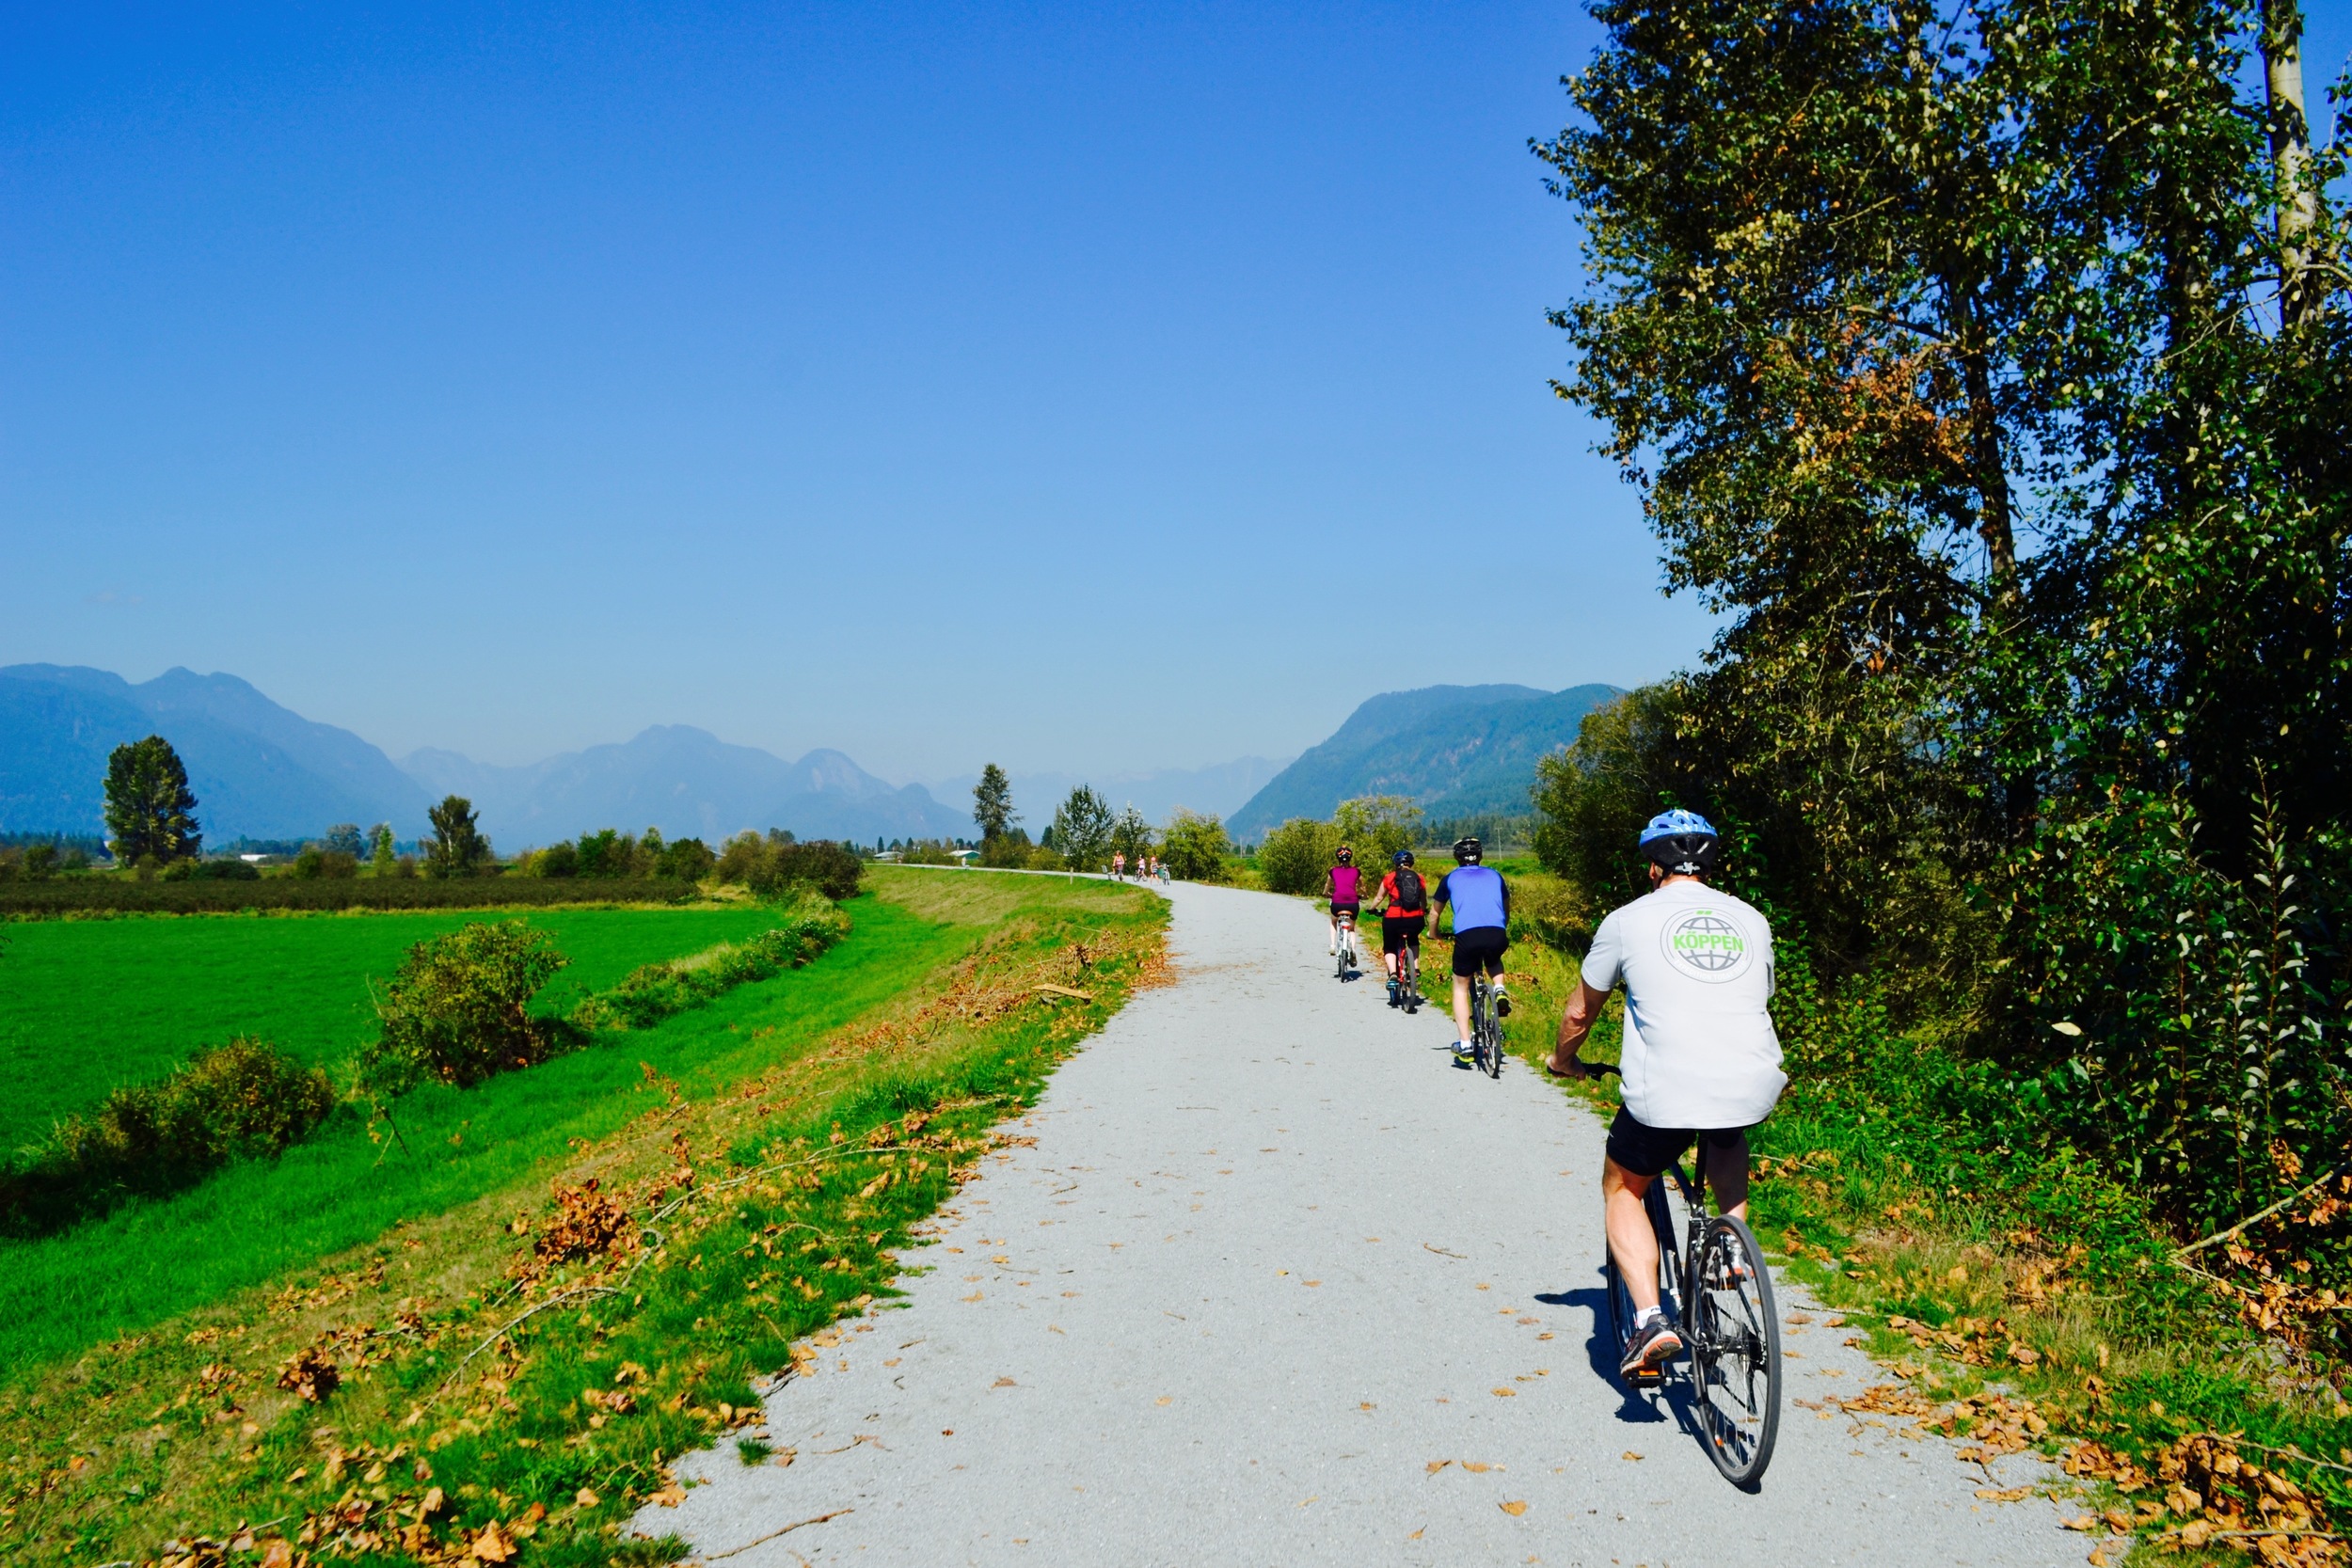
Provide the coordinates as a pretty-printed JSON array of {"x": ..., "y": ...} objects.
[{"x": 1696, "y": 965}]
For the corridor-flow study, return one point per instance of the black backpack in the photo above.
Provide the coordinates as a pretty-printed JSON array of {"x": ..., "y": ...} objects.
[{"x": 1410, "y": 895}]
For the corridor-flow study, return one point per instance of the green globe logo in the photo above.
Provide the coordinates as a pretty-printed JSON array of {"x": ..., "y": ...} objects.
[{"x": 1704, "y": 941}]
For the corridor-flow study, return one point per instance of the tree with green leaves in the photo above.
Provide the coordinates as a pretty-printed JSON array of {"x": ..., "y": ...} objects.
[
  {"x": 991, "y": 805},
  {"x": 1132, "y": 836},
  {"x": 380, "y": 858},
  {"x": 1193, "y": 846},
  {"x": 151, "y": 811},
  {"x": 1082, "y": 830},
  {"x": 456, "y": 847}
]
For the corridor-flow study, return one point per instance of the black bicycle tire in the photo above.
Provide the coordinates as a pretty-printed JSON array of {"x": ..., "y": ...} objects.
[
  {"x": 1494, "y": 1039},
  {"x": 1714, "y": 1414}
]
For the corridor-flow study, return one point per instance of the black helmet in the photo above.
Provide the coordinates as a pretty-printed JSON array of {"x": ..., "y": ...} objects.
[
  {"x": 1403, "y": 857},
  {"x": 1681, "y": 843},
  {"x": 1467, "y": 852},
  {"x": 1346, "y": 854}
]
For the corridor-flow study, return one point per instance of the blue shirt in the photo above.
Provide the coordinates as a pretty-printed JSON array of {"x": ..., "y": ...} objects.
[{"x": 1478, "y": 895}]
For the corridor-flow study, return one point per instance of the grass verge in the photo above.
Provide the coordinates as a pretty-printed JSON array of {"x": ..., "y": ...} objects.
[
  {"x": 2020, "y": 1306},
  {"x": 510, "y": 1375}
]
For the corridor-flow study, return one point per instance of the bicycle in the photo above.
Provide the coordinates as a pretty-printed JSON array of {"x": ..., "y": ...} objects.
[
  {"x": 1730, "y": 1323},
  {"x": 1485, "y": 1025},
  {"x": 1409, "y": 978},
  {"x": 1348, "y": 946}
]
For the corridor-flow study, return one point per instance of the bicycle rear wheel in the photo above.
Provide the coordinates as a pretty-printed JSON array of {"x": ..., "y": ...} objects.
[
  {"x": 1494, "y": 1032},
  {"x": 1735, "y": 1352},
  {"x": 1408, "y": 965}
]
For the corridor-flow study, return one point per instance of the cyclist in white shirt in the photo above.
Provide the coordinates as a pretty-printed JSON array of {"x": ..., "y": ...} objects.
[{"x": 1701, "y": 1058}]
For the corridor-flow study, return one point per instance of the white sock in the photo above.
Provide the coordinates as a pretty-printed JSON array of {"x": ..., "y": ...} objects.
[{"x": 1647, "y": 1316}]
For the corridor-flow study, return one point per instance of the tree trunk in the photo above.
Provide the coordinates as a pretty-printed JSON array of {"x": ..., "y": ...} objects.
[{"x": 2300, "y": 301}]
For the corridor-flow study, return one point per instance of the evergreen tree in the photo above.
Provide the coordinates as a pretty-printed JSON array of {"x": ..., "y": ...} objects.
[
  {"x": 1082, "y": 830},
  {"x": 991, "y": 803},
  {"x": 151, "y": 811},
  {"x": 380, "y": 861}
]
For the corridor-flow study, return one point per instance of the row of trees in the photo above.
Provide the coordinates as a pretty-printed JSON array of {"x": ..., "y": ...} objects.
[
  {"x": 1986, "y": 371},
  {"x": 1085, "y": 834}
]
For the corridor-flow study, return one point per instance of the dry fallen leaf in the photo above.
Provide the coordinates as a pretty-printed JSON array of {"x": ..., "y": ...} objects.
[
  {"x": 1546, "y": 1335},
  {"x": 1164, "y": 1398},
  {"x": 1004, "y": 1383},
  {"x": 1475, "y": 1467},
  {"x": 1437, "y": 1464},
  {"x": 670, "y": 1495},
  {"x": 1630, "y": 1454},
  {"x": 1504, "y": 1393},
  {"x": 490, "y": 1546},
  {"x": 279, "y": 1554},
  {"x": 1515, "y": 1509},
  {"x": 585, "y": 1499}
]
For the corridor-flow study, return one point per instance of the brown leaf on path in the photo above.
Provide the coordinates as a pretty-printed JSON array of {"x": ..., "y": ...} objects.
[
  {"x": 1514, "y": 1509},
  {"x": 2004, "y": 1494},
  {"x": 1164, "y": 1399},
  {"x": 1476, "y": 1467},
  {"x": 670, "y": 1495},
  {"x": 1437, "y": 1464},
  {"x": 1004, "y": 1383},
  {"x": 1630, "y": 1454},
  {"x": 2081, "y": 1521},
  {"x": 1504, "y": 1393},
  {"x": 1416, "y": 1535}
]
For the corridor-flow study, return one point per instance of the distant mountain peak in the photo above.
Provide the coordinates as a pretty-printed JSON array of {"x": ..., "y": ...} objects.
[{"x": 1455, "y": 751}]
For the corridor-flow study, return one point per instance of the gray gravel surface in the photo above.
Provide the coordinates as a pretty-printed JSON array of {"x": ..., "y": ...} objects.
[{"x": 1271, "y": 1258}]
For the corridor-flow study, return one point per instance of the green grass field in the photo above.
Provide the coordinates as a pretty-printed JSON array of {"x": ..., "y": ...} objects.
[{"x": 87, "y": 1004}]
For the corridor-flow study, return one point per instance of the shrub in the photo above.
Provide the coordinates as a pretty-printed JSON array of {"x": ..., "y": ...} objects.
[
  {"x": 1195, "y": 847},
  {"x": 654, "y": 991},
  {"x": 230, "y": 870},
  {"x": 689, "y": 860},
  {"x": 1010, "y": 848},
  {"x": 927, "y": 851},
  {"x": 245, "y": 1100},
  {"x": 1295, "y": 855},
  {"x": 458, "y": 1012},
  {"x": 1375, "y": 827},
  {"x": 316, "y": 864},
  {"x": 558, "y": 859},
  {"x": 770, "y": 865}
]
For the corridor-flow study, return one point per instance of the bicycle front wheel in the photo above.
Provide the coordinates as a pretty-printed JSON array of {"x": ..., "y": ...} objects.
[{"x": 1735, "y": 1352}]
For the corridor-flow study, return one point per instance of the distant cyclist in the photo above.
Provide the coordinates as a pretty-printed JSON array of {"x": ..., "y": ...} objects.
[
  {"x": 1344, "y": 883},
  {"x": 1403, "y": 914},
  {"x": 1701, "y": 1058},
  {"x": 1481, "y": 913}
]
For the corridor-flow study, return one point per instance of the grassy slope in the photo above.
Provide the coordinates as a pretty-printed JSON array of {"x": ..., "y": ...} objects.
[
  {"x": 91, "y": 1003},
  {"x": 60, "y": 1293},
  {"x": 103, "y": 1455}
]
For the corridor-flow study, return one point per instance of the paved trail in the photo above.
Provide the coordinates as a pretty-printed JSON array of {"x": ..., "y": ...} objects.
[{"x": 1270, "y": 1257}]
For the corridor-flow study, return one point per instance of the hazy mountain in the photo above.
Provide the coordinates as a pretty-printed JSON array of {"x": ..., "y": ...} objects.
[
  {"x": 258, "y": 770},
  {"x": 685, "y": 781},
  {"x": 1216, "y": 790},
  {"x": 1456, "y": 749}
]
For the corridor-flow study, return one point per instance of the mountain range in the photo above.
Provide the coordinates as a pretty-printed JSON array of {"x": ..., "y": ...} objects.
[
  {"x": 259, "y": 770},
  {"x": 1454, "y": 750}
]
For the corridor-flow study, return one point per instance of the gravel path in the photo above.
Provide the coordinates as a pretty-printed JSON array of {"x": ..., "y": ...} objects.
[{"x": 1271, "y": 1258}]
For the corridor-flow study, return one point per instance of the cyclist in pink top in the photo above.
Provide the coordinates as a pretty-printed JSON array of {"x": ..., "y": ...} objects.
[{"x": 1346, "y": 885}]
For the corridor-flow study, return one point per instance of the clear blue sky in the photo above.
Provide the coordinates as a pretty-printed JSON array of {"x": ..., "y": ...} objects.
[{"x": 1086, "y": 386}]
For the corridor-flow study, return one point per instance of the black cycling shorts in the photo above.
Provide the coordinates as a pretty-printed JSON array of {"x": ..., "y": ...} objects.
[
  {"x": 1480, "y": 944},
  {"x": 1647, "y": 1150},
  {"x": 1350, "y": 907},
  {"x": 1397, "y": 931}
]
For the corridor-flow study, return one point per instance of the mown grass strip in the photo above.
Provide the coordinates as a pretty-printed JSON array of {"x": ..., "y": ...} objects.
[{"x": 721, "y": 1232}]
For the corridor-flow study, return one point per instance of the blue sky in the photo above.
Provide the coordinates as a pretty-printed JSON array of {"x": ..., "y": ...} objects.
[{"x": 1082, "y": 387}]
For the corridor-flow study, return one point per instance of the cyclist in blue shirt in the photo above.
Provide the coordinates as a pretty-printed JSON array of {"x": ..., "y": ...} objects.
[{"x": 1482, "y": 910}]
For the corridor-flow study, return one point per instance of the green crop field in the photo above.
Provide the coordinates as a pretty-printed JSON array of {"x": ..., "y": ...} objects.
[
  {"x": 152, "y": 1260},
  {"x": 85, "y": 1004}
]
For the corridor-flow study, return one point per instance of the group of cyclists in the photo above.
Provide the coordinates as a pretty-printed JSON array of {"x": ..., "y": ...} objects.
[
  {"x": 1700, "y": 1062},
  {"x": 1145, "y": 868}
]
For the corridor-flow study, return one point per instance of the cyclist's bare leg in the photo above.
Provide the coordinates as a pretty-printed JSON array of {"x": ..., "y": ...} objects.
[
  {"x": 1461, "y": 1006},
  {"x": 1631, "y": 1242}
]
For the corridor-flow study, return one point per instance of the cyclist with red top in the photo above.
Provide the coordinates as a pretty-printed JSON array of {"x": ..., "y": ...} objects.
[
  {"x": 1404, "y": 914},
  {"x": 1346, "y": 885}
]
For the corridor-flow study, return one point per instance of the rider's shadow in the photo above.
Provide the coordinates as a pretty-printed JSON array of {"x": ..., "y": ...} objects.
[{"x": 1639, "y": 1407}]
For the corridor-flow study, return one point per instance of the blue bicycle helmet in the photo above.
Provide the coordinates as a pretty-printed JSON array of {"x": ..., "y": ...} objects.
[{"x": 1683, "y": 842}]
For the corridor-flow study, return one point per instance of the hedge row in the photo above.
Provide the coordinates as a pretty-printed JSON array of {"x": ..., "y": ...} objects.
[{"x": 109, "y": 894}]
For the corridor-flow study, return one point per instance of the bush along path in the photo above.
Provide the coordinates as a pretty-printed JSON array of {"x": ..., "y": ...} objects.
[
  {"x": 521, "y": 1394},
  {"x": 2024, "y": 1305}
]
